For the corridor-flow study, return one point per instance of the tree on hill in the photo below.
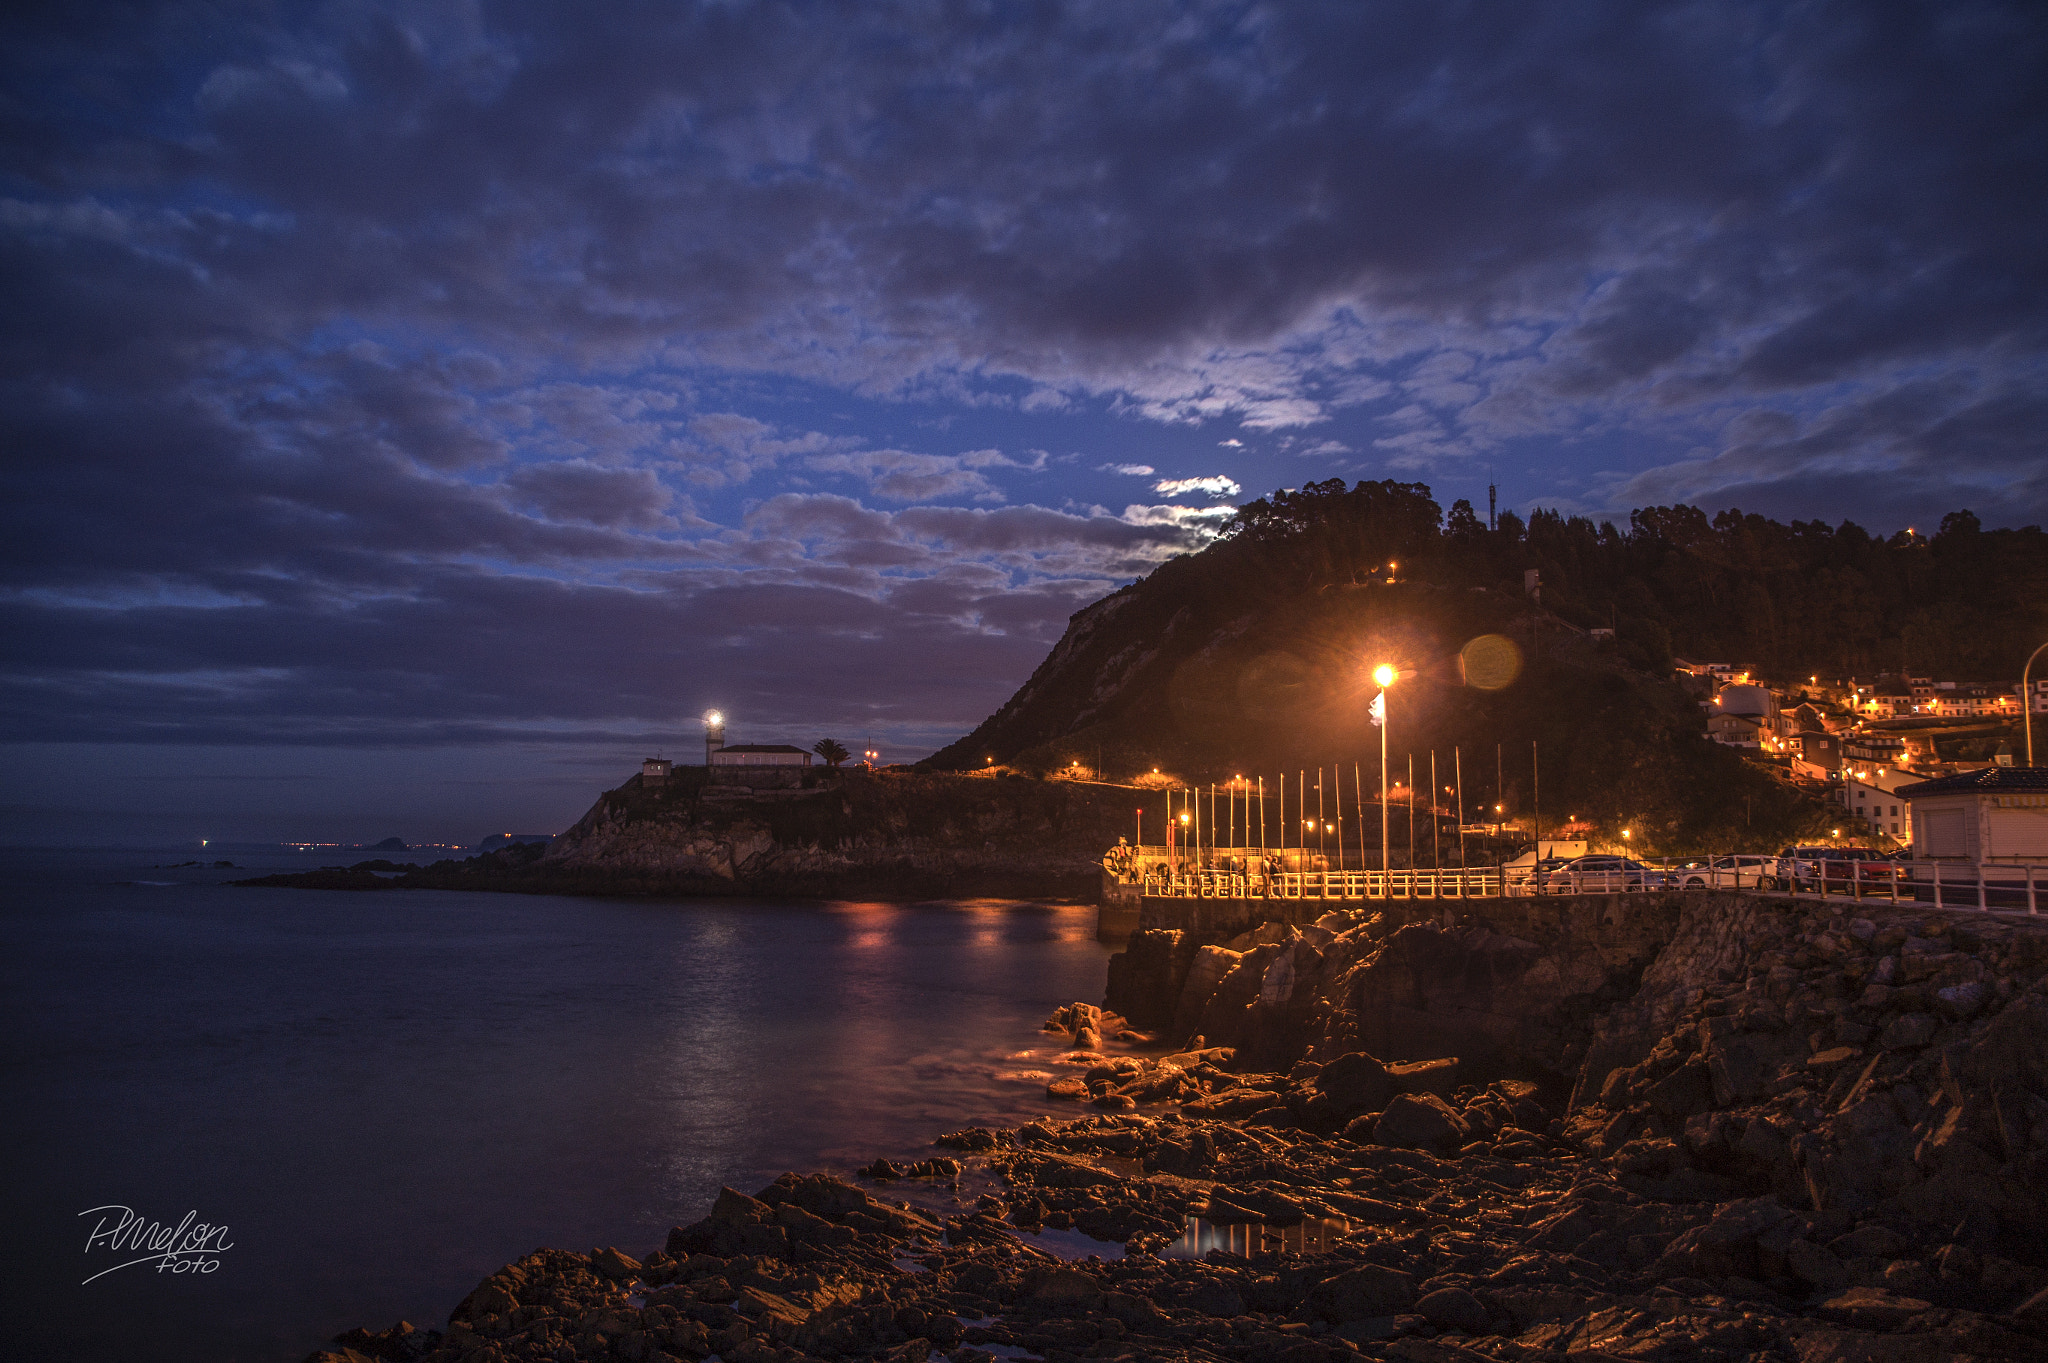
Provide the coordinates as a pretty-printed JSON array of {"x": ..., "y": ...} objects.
[
  {"x": 1249, "y": 656},
  {"x": 832, "y": 750}
]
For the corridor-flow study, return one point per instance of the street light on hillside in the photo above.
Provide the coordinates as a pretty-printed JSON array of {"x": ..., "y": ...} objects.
[{"x": 1384, "y": 675}]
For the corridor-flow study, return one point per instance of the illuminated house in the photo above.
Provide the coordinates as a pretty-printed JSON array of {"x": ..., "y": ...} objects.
[{"x": 1872, "y": 794}]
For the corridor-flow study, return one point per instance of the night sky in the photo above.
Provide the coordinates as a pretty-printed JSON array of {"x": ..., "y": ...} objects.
[{"x": 416, "y": 414}]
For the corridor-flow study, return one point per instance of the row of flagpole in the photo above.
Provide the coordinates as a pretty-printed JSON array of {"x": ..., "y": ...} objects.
[{"x": 1194, "y": 828}]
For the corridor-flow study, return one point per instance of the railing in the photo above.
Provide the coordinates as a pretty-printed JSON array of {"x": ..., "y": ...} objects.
[
  {"x": 1990, "y": 886},
  {"x": 1475, "y": 882}
]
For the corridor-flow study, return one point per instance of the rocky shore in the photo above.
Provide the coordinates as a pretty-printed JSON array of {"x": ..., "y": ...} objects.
[{"x": 1761, "y": 1130}]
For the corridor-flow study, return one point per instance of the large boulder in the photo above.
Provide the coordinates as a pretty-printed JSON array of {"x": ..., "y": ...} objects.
[
  {"x": 1366, "y": 1291},
  {"x": 1419, "y": 1122},
  {"x": 1205, "y": 972},
  {"x": 1355, "y": 1084},
  {"x": 1145, "y": 977},
  {"x": 1746, "y": 1239}
]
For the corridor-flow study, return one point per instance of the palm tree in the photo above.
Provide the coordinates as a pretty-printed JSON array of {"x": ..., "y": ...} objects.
[{"x": 832, "y": 750}]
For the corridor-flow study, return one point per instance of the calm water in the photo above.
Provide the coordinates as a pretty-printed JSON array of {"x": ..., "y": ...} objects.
[{"x": 384, "y": 1097}]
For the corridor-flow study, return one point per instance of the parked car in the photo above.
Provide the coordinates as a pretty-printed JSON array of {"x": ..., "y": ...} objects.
[
  {"x": 1845, "y": 870},
  {"x": 1529, "y": 879},
  {"x": 1737, "y": 871},
  {"x": 1599, "y": 874}
]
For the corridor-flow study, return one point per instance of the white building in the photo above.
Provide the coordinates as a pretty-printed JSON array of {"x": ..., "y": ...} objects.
[
  {"x": 1997, "y": 814},
  {"x": 760, "y": 755},
  {"x": 1872, "y": 794}
]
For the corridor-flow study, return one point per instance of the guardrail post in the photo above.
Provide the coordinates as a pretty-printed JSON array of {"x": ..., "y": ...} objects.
[{"x": 2033, "y": 904}]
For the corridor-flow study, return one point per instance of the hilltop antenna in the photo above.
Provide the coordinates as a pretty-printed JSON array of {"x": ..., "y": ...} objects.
[{"x": 1492, "y": 499}]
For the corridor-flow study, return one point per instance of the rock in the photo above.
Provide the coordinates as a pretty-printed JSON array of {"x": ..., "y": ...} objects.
[
  {"x": 1355, "y": 1083},
  {"x": 613, "y": 1264},
  {"x": 1687, "y": 1090},
  {"x": 1419, "y": 1123},
  {"x": 1454, "y": 1308},
  {"x": 1426, "y": 1076},
  {"x": 1870, "y": 1242},
  {"x": 1737, "y": 1069},
  {"x": 1729, "y": 1245},
  {"x": 1962, "y": 1000},
  {"x": 1817, "y": 1265},
  {"x": 2034, "y": 1310},
  {"x": 1872, "y": 1308},
  {"x": 1061, "y": 1289},
  {"x": 1908, "y": 1031},
  {"x": 1369, "y": 1290}
]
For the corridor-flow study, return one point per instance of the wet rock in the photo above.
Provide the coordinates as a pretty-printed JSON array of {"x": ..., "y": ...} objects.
[
  {"x": 1355, "y": 1083},
  {"x": 1370, "y": 1290},
  {"x": 1439, "y": 1077},
  {"x": 1872, "y": 1308},
  {"x": 615, "y": 1264},
  {"x": 1454, "y": 1308},
  {"x": 1419, "y": 1123},
  {"x": 1817, "y": 1265}
]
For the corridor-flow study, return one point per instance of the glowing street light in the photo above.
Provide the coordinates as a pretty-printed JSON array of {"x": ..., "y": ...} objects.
[{"x": 1384, "y": 674}]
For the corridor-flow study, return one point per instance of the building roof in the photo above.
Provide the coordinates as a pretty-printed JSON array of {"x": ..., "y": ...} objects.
[
  {"x": 761, "y": 747},
  {"x": 1990, "y": 778}
]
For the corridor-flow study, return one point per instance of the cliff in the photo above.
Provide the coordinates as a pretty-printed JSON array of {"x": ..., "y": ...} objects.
[
  {"x": 1875, "y": 1068},
  {"x": 882, "y": 834}
]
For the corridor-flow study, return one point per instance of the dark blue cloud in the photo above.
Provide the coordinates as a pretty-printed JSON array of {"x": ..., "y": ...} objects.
[{"x": 334, "y": 337}]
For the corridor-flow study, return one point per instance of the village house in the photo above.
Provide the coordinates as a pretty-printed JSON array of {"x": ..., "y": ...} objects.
[{"x": 1872, "y": 794}]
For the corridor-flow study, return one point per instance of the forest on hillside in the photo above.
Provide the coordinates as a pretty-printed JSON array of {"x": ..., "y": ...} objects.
[
  {"x": 1964, "y": 603},
  {"x": 1253, "y": 655}
]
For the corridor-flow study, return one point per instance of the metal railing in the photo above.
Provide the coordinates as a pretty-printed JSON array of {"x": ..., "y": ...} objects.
[
  {"x": 1472, "y": 882},
  {"x": 1993, "y": 887}
]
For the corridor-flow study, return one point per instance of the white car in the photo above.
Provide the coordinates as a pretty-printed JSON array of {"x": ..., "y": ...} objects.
[
  {"x": 1599, "y": 874},
  {"x": 1739, "y": 871}
]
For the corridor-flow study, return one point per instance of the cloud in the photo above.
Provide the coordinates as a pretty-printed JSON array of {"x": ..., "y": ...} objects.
[
  {"x": 1215, "y": 485},
  {"x": 901, "y": 476},
  {"x": 339, "y": 343},
  {"x": 575, "y": 490}
]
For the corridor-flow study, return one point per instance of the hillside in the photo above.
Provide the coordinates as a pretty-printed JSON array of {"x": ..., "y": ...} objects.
[{"x": 1253, "y": 656}]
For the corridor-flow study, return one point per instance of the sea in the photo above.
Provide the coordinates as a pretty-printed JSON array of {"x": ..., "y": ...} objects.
[{"x": 361, "y": 1104}]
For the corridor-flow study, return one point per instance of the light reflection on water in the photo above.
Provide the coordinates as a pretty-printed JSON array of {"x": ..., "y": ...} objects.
[
  {"x": 388, "y": 1096},
  {"x": 1314, "y": 1235}
]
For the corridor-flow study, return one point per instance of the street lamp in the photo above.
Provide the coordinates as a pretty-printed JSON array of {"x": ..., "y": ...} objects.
[
  {"x": 1384, "y": 674},
  {"x": 2027, "y": 700}
]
